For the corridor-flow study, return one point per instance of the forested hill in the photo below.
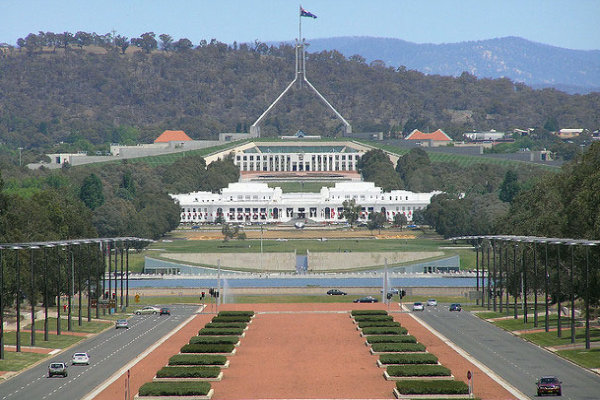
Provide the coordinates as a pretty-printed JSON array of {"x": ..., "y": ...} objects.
[{"x": 89, "y": 96}]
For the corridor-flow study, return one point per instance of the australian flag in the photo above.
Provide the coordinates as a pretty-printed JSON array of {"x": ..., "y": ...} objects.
[{"x": 304, "y": 13}]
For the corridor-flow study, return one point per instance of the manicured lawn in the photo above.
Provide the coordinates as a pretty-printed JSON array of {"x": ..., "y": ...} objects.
[
  {"x": 87, "y": 327},
  {"x": 586, "y": 358},
  {"x": 551, "y": 338},
  {"x": 518, "y": 324},
  {"x": 17, "y": 361},
  {"x": 54, "y": 341}
]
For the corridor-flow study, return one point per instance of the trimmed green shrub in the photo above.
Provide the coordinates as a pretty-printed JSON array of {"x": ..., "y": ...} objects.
[
  {"x": 214, "y": 339},
  {"x": 197, "y": 359},
  {"x": 188, "y": 372},
  {"x": 369, "y": 324},
  {"x": 241, "y": 325},
  {"x": 427, "y": 358},
  {"x": 220, "y": 332},
  {"x": 207, "y": 348},
  {"x": 397, "y": 347},
  {"x": 232, "y": 318},
  {"x": 391, "y": 339},
  {"x": 418, "y": 370},
  {"x": 432, "y": 387},
  {"x": 235, "y": 313},
  {"x": 369, "y": 312},
  {"x": 175, "y": 389},
  {"x": 360, "y": 318},
  {"x": 385, "y": 330}
]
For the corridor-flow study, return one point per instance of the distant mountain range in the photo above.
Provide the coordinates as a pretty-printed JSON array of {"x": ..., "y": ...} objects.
[{"x": 535, "y": 64}]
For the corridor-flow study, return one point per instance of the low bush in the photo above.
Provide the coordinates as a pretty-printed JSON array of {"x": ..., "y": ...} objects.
[
  {"x": 235, "y": 313},
  {"x": 241, "y": 325},
  {"x": 408, "y": 359},
  {"x": 397, "y": 347},
  {"x": 207, "y": 348},
  {"x": 369, "y": 324},
  {"x": 391, "y": 339},
  {"x": 360, "y": 318},
  {"x": 188, "y": 372},
  {"x": 220, "y": 332},
  {"x": 232, "y": 318},
  {"x": 197, "y": 359},
  {"x": 418, "y": 370},
  {"x": 368, "y": 312},
  {"x": 432, "y": 387},
  {"x": 175, "y": 389},
  {"x": 214, "y": 339},
  {"x": 385, "y": 330}
]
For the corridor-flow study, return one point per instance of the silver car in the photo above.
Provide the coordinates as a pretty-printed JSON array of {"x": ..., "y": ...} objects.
[
  {"x": 148, "y": 310},
  {"x": 80, "y": 359},
  {"x": 122, "y": 323}
]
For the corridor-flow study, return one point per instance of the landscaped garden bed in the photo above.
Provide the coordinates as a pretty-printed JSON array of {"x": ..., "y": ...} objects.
[
  {"x": 378, "y": 348},
  {"x": 428, "y": 389},
  {"x": 187, "y": 374},
  {"x": 225, "y": 349},
  {"x": 403, "y": 372},
  {"x": 363, "y": 318},
  {"x": 235, "y": 313},
  {"x": 242, "y": 325},
  {"x": 199, "y": 359},
  {"x": 232, "y": 318},
  {"x": 391, "y": 339},
  {"x": 384, "y": 330},
  {"x": 406, "y": 359},
  {"x": 215, "y": 340},
  {"x": 367, "y": 312},
  {"x": 371, "y": 324},
  {"x": 221, "y": 332},
  {"x": 175, "y": 391}
]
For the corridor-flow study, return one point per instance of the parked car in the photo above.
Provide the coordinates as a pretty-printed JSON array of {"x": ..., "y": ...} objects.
[
  {"x": 549, "y": 385},
  {"x": 366, "y": 299},
  {"x": 122, "y": 323},
  {"x": 432, "y": 302},
  {"x": 57, "y": 368},
  {"x": 455, "y": 307},
  {"x": 80, "y": 359},
  {"x": 148, "y": 310},
  {"x": 165, "y": 311},
  {"x": 336, "y": 292},
  {"x": 418, "y": 306},
  {"x": 394, "y": 291}
]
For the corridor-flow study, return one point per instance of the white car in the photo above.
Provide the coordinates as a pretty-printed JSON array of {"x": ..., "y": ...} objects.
[
  {"x": 80, "y": 359},
  {"x": 148, "y": 310},
  {"x": 418, "y": 306},
  {"x": 432, "y": 302}
]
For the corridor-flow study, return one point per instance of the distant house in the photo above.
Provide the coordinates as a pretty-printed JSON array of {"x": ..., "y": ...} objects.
[
  {"x": 433, "y": 139},
  {"x": 173, "y": 136},
  {"x": 568, "y": 133}
]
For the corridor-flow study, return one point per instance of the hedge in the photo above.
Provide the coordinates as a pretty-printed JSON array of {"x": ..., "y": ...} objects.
[
  {"x": 408, "y": 359},
  {"x": 235, "y": 313},
  {"x": 360, "y": 318},
  {"x": 432, "y": 387},
  {"x": 369, "y": 324},
  {"x": 241, "y": 325},
  {"x": 418, "y": 370},
  {"x": 175, "y": 389},
  {"x": 214, "y": 339},
  {"x": 197, "y": 359},
  {"x": 397, "y": 347},
  {"x": 391, "y": 339},
  {"x": 220, "y": 332},
  {"x": 368, "y": 312},
  {"x": 188, "y": 372},
  {"x": 232, "y": 318},
  {"x": 386, "y": 330},
  {"x": 207, "y": 348}
]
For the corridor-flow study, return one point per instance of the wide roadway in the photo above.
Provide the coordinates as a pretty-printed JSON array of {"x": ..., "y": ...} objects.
[
  {"x": 109, "y": 351},
  {"x": 520, "y": 363}
]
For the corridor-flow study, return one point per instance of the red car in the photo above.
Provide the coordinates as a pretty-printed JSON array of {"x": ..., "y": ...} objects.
[{"x": 549, "y": 385}]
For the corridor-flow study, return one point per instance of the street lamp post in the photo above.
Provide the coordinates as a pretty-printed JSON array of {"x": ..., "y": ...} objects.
[
  {"x": 524, "y": 284},
  {"x": 516, "y": 280},
  {"x": 572, "y": 293},
  {"x": 18, "y": 281},
  {"x": 477, "y": 270},
  {"x": 535, "y": 287},
  {"x": 559, "y": 330},
  {"x": 506, "y": 284},
  {"x": 31, "y": 295},
  {"x": 587, "y": 295},
  {"x": 489, "y": 289},
  {"x": 546, "y": 278},
  {"x": 1, "y": 304}
]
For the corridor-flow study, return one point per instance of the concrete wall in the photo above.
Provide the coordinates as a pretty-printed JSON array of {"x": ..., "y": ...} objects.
[
  {"x": 341, "y": 261},
  {"x": 279, "y": 262}
]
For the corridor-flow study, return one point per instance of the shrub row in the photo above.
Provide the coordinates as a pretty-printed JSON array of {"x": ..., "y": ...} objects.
[
  {"x": 207, "y": 348},
  {"x": 242, "y": 325},
  {"x": 408, "y": 359},
  {"x": 232, "y": 318},
  {"x": 188, "y": 372},
  {"x": 432, "y": 387},
  {"x": 368, "y": 312},
  {"x": 235, "y": 313},
  {"x": 360, "y": 318},
  {"x": 214, "y": 339},
  {"x": 391, "y": 339},
  {"x": 369, "y": 324},
  {"x": 397, "y": 347},
  {"x": 175, "y": 389},
  {"x": 220, "y": 331},
  {"x": 418, "y": 370},
  {"x": 197, "y": 359},
  {"x": 386, "y": 330}
]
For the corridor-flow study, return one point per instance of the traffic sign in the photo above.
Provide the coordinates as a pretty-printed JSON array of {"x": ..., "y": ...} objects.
[{"x": 469, "y": 375}]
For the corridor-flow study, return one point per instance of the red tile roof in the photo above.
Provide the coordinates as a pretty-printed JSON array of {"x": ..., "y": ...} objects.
[
  {"x": 172, "y": 136},
  {"x": 438, "y": 135}
]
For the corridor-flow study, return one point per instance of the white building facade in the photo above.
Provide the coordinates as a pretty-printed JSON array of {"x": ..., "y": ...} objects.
[{"x": 258, "y": 203}]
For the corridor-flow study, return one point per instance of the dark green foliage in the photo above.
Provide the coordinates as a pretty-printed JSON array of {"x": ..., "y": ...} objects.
[
  {"x": 235, "y": 313},
  {"x": 391, "y": 339},
  {"x": 226, "y": 325},
  {"x": 175, "y": 389},
  {"x": 197, "y": 359},
  {"x": 385, "y": 331},
  {"x": 91, "y": 192},
  {"x": 426, "y": 358},
  {"x": 369, "y": 324},
  {"x": 432, "y": 387},
  {"x": 220, "y": 331},
  {"x": 232, "y": 318},
  {"x": 214, "y": 339},
  {"x": 368, "y": 312},
  {"x": 207, "y": 348},
  {"x": 397, "y": 347},
  {"x": 370, "y": 317},
  {"x": 418, "y": 370},
  {"x": 351, "y": 211},
  {"x": 188, "y": 372},
  {"x": 509, "y": 187},
  {"x": 376, "y": 167}
]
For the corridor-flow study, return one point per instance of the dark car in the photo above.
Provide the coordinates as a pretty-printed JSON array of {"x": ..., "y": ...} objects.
[
  {"x": 455, "y": 307},
  {"x": 549, "y": 385},
  {"x": 165, "y": 311},
  {"x": 367, "y": 299},
  {"x": 336, "y": 292},
  {"x": 57, "y": 368}
]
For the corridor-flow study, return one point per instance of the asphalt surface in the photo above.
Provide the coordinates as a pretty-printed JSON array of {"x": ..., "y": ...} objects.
[
  {"x": 109, "y": 351},
  {"x": 520, "y": 363}
]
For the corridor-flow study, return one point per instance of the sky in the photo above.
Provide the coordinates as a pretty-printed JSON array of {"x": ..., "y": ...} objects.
[{"x": 569, "y": 24}]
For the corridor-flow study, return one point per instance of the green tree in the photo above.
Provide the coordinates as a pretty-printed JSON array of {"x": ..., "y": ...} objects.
[
  {"x": 400, "y": 220},
  {"x": 166, "y": 42},
  {"x": 509, "y": 187},
  {"x": 91, "y": 192},
  {"x": 351, "y": 211},
  {"x": 376, "y": 221}
]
